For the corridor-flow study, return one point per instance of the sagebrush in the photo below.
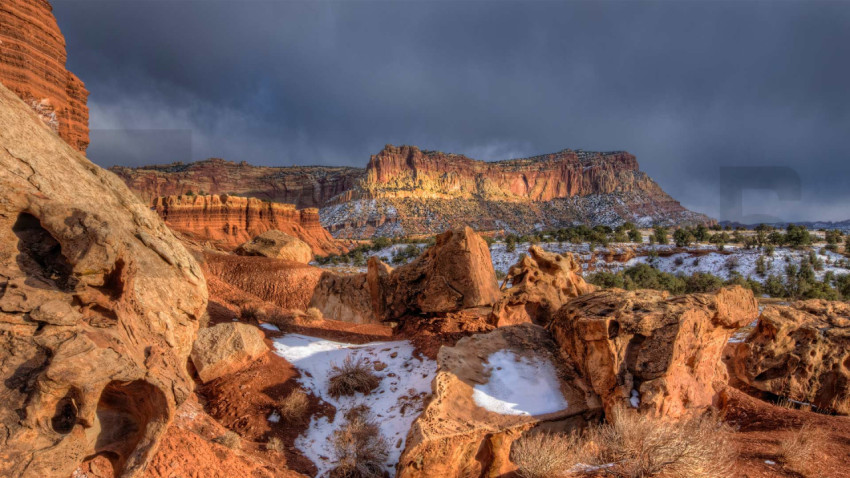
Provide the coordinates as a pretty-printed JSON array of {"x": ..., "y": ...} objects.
[{"x": 351, "y": 377}]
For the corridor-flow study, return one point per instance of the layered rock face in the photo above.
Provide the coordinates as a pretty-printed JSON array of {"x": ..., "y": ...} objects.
[
  {"x": 99, "y": 305},
  {"x": 32, "y": 64},
  {"x": 801, "y": 352},
  {"x": 647, "y": 350},
  {"x": 541, "y": 283},
  {"x": 410, "y": 191},
  {"x": 405, "y": 190},
  {"x": 228, "y": 221},
  {"x": 458, "y": 437},
  {"x": 305, "y": 187}
]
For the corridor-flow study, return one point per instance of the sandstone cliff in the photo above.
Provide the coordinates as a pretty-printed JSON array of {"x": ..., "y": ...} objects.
[
  {"x": 32, "y": 64},
  {"x": 228, "y": 221},
  {"x": 405, "y": 190},
  {"x": 308, "y": 186}
]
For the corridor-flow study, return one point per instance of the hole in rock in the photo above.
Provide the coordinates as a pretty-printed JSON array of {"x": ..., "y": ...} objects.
[
  {"x": 65, "y": 416},
  {"x": 41, "y": 254},
  {"x": 613, "y": 329},
  {"x": 126, "y": 412}
]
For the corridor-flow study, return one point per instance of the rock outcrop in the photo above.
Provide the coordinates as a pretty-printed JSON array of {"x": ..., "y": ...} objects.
[
  {"x": 303, "y": 186},
  {"x": 278, "y": 245},
  {"x": 405, "y": 190},
  {"x": 643, "y": 348},
  {"x": 99, "y": 305},
  {"x": 455, "y": 436},
  {"x": 226, "y": 348},
  {"x": 801, "y": 352},
  {"x": 32, "y": 64},
  {"x": 228, "y": 221},
  {"x": 541, "y": 283},
  {"x": 455, "y": 273}
]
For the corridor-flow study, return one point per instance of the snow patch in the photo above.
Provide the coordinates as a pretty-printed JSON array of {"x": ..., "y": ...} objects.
[
  {"x": 634, "y": 400},
  {"x": 271, "y": 327},
  {"x": 398, "y": 400},
  {"x": 519, "y": 386}
]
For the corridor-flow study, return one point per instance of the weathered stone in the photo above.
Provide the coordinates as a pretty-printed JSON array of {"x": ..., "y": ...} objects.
[
  {"x": 541, "y": 283},
  {"x": 645, "y": 346},
  {"x": 226, "y": 348},
  {"x": 801, "y": 352},
  {"x": 99, "y": 305},
  {"x": 277, "y": 245}
]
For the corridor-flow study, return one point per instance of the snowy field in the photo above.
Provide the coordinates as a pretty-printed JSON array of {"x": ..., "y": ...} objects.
[
  {"x": 519, "y": 386},
  {"x": 398, "y": 400}
]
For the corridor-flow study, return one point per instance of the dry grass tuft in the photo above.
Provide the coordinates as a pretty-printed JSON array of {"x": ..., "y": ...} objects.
[
  {"x": 313, "y": 314},
  {"x": 275, "y": 444},
  {"x": 352, "y": 377},
  {"x": 360, "y": 449},
  {"x": 230, "y": 439},
  {"x": 644, "y": 446},
  {"x": 293, "y": 408},
  {"x": 797, "y": 450},
  {"x": 251, "y": 313},
  {"x": 546, "y": 455}
]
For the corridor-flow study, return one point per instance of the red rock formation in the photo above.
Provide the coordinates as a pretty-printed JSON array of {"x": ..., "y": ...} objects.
[
  {"x": 229, "y": 221},
  {"x": 32, "y": 64},
  {"x": 646, "y": 349},
  {"x": 99, "y": 306},
  {"x": 306, "y": 187}
]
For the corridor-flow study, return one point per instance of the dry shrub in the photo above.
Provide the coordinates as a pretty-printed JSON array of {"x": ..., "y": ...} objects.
[
  {"x": 352, "y": 377},
  {"x": 275, "y": 444},
  {"x": 643, "y": 446},
  {"x": 313, "y": 314},
  {"x": 293, "y": 408},
  {"x": 251, "y": 312},
  {"x": 230, "y": 439},
  {"x": 360, "y": 449},
  {"x": 546, "y": 455},
  {"x": 797, "y": 450}
]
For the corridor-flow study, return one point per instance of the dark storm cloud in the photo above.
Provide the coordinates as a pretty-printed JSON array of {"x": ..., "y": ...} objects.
[{"x": 687, "y": 87}]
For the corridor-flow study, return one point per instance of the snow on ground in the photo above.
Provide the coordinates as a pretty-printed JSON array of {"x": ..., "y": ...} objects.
[
  {"x": 519, "y": 386},
  {"x": 398, "y": 400}
]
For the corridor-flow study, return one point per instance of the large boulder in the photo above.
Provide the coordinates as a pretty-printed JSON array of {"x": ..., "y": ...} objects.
[
  {"x": 456, "y": 273},
  {"x": 277, "y": 245},
  {"x": 541, "y": 283},
  {"x": 226, "y": 348},
  {"x": 801, "y": 352},
  {"x": 99, "y": 305},
  {"x": 488, "y": 390},
  {"x": 648, "y": 350}
]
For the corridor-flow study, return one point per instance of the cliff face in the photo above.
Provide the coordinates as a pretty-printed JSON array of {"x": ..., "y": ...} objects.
[
  {"x": 32, "y": 64},
  {"x": 228, "y": 221},
  {"x": 305, "y": 187},
  {"x": 405, "y": 190}
]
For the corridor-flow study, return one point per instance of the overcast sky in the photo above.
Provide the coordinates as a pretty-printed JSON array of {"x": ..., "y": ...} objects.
[{"x": 687, "y": 87}]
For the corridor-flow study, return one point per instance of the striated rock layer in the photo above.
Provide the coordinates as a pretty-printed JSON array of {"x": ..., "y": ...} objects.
[
  {"x": 228, "y": 221},
  {"x": 405, "y": 190},
  {"x": 99, "y": 305},
  {"x": 32, "y": 64}
]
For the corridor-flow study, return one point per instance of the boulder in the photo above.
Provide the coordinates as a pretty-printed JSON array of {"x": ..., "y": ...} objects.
[
  {"x": 99, "y": 305},
  {"x": 455, "y": 273},
  {"x": 541, "y": 283},
  {"x": 277, "y": 245},
  {"x": 488, "y": 390},
  {"x": 648, "y": 350},
  {"x": 801, "y": 352},
  {"x": 226, "y": 348}
]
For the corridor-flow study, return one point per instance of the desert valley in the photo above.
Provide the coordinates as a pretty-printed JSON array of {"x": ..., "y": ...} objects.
[{"x": 419, "y": 314}]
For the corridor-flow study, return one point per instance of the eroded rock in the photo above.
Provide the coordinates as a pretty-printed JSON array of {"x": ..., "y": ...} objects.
[
  {"x": 99, "y": 305},
  {"x": 226, "y": 348},
  {"x": 541, "y": 283},
  {"x": 801, "y": 352},
  {"x": 648, "y": 350},
  {"x": 277, "y": 245},
  {"x": 481, "y": 404}
]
